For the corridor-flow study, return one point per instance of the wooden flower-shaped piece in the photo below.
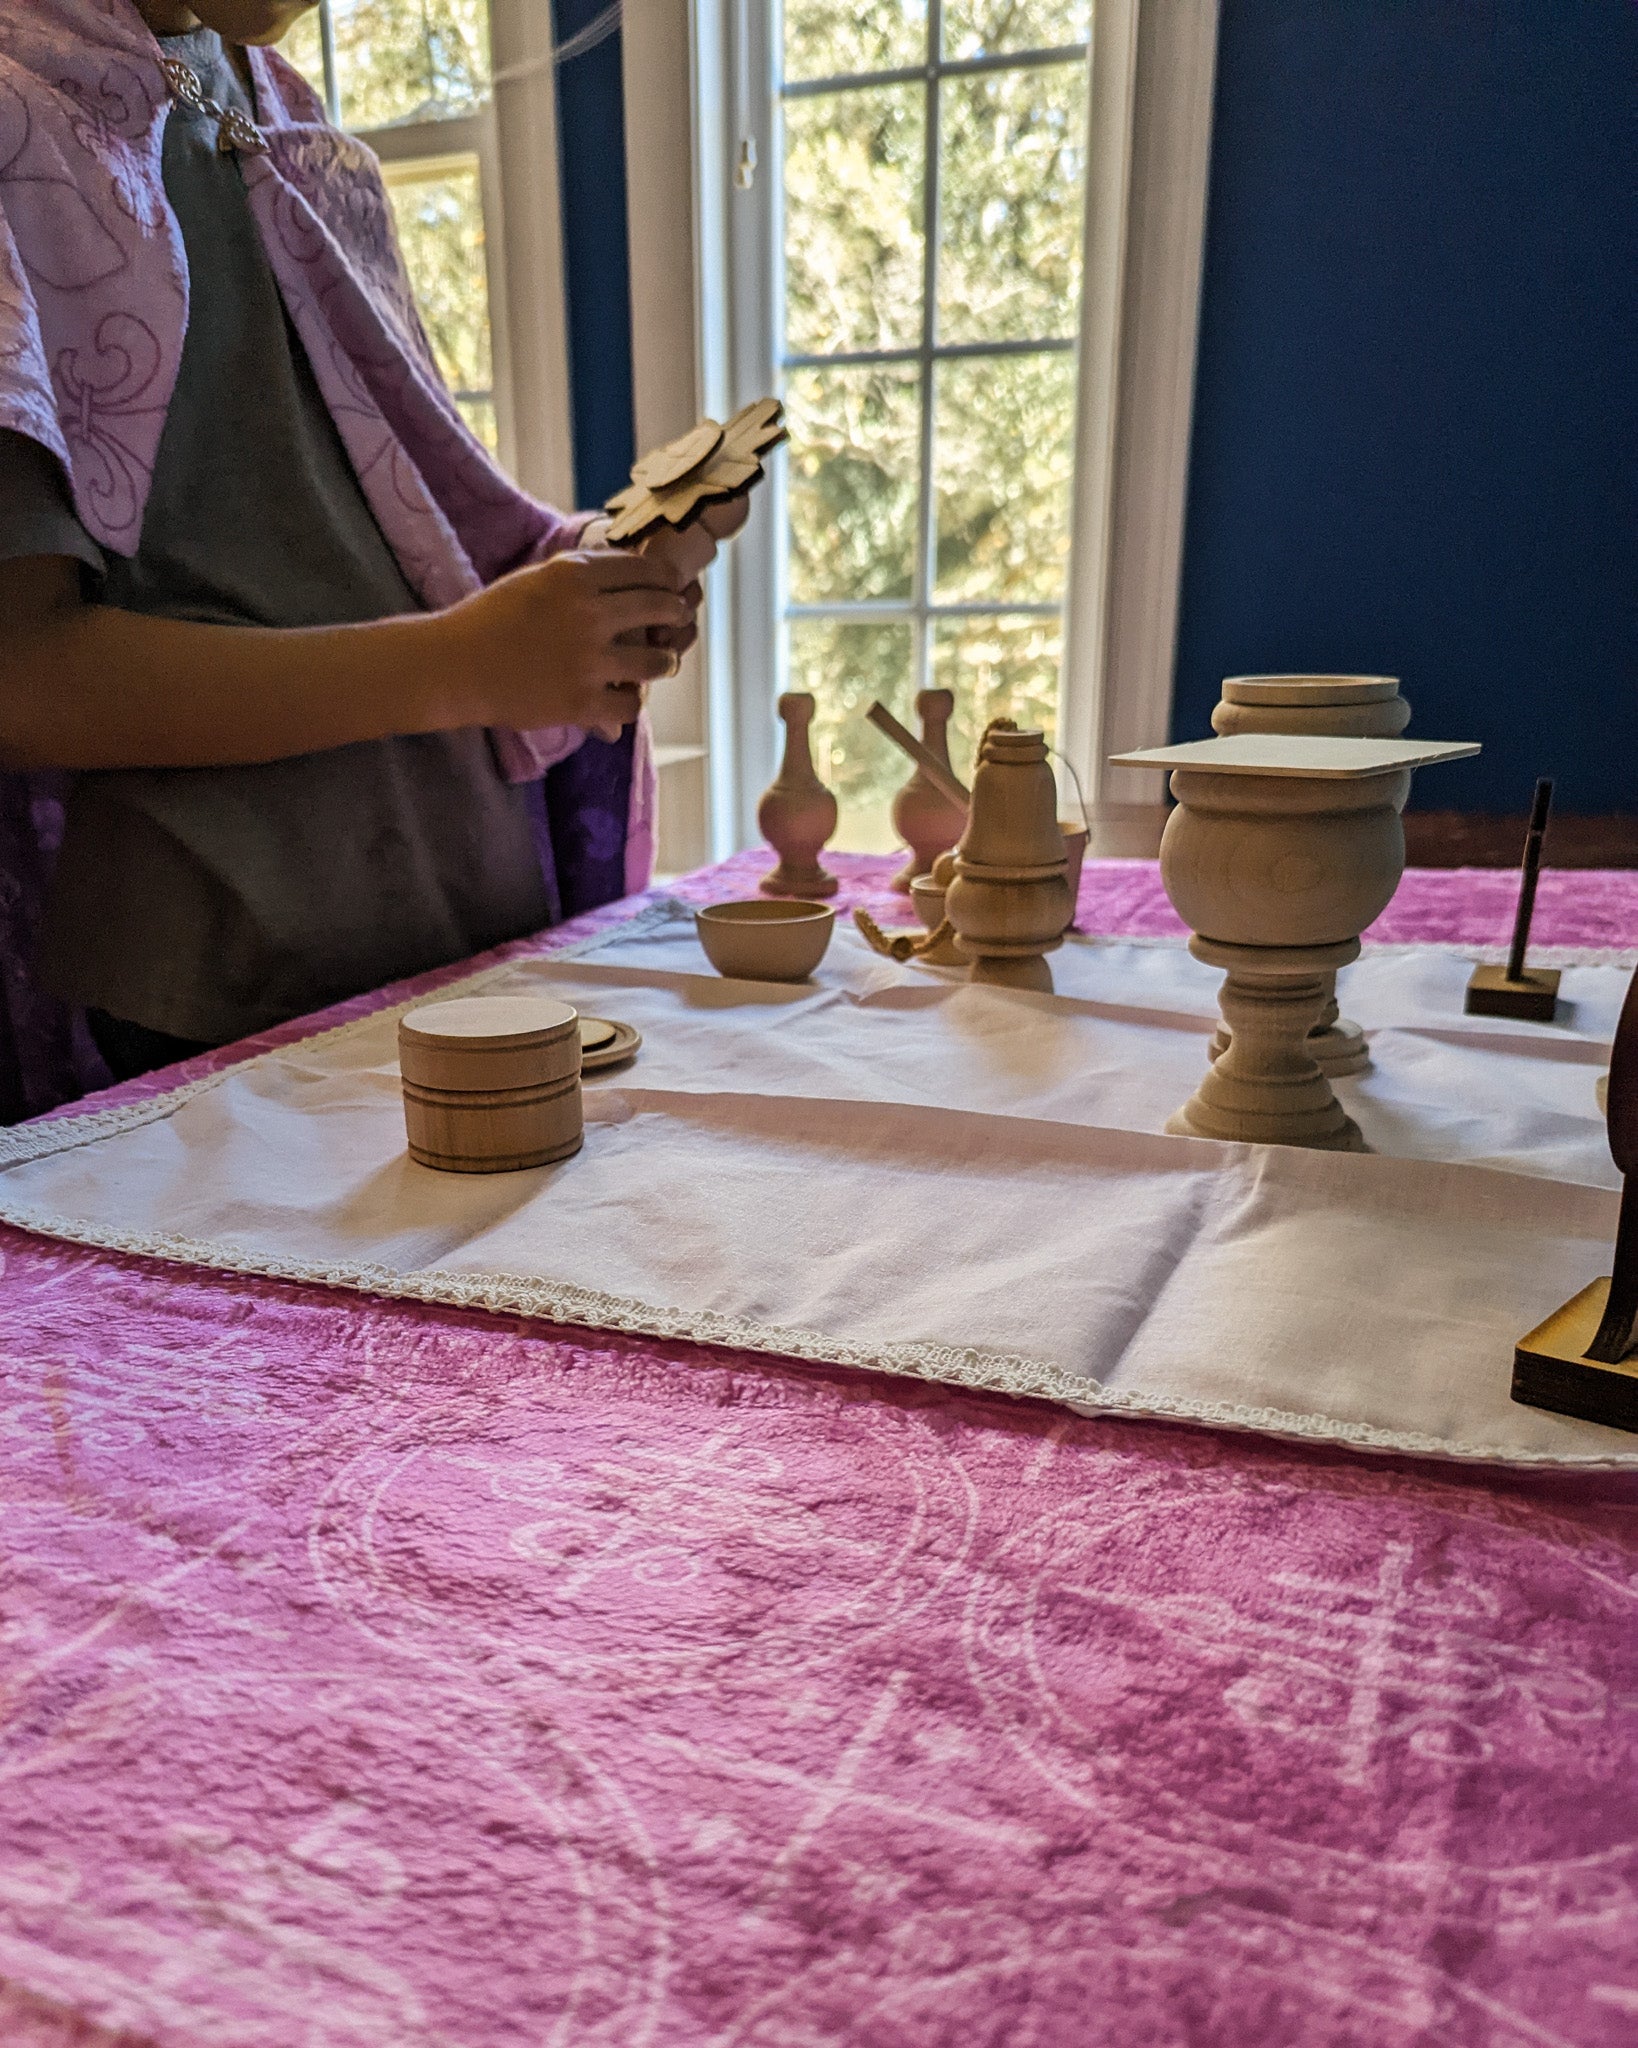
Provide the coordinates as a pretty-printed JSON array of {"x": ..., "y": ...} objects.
[{"x": 669, "y": 485}]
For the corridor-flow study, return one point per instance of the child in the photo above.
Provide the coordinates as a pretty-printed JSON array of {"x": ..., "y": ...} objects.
[{"x": 259, "y": 587}]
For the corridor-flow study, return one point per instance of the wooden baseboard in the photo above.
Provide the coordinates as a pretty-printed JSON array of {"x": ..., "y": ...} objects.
[{"x": 1461, "y": 839}]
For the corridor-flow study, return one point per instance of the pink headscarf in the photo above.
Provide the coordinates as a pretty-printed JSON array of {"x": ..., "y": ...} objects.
[{"x": 94, "y": 306}]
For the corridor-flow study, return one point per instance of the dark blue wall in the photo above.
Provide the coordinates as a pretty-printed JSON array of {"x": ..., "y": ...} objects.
[
  {"x": 1417, "y": 407},
  {"x": 592, "y": 143}
]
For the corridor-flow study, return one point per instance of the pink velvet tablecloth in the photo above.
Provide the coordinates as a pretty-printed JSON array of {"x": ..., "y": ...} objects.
[{"x": 378, "y": 1676}]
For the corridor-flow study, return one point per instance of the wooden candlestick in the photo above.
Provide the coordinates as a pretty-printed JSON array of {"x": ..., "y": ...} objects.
[
  {"x": 1514, "y": 990},
  {"x": 925, "y": 816},
  {"x": 1281, "y": 850},
  {"x": 1580, "y": 1362},
  {"x": 797, "y": 814},
  {"x": 1329, "y": 707},
  {"x": 1009, "y": 902}
]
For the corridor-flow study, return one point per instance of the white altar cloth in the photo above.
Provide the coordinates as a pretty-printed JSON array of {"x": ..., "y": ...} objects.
[{"x": 889, "y": 1167}]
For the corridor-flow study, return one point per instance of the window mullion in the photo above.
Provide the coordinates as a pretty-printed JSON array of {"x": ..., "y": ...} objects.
[
  {"x": 953, "y": 67},
  {"x": 327, "y": 50},
  {"x": 927, "y": 549}
]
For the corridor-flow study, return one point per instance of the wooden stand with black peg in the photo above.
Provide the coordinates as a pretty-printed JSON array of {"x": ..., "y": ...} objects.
[
  {"x": 1580, "y": 1361},
  {"x": 1516, "y": 990}
]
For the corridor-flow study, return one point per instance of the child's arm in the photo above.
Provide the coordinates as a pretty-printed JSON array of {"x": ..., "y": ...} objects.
[{"x": 84, "y": 686}]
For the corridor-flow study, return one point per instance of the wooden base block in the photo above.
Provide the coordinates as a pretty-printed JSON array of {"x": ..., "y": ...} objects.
[
  {"x": 1534, "y": 995},
  {"x": 1551, "y": 1369}
]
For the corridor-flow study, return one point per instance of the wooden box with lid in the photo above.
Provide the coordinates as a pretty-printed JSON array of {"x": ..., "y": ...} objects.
[{"x": 491, "y": 1083}]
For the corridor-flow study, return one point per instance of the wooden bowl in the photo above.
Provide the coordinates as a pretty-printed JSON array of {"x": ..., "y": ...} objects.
[
  {"x": 928, "y": 897},
  {"x": 765, "y": 939}
]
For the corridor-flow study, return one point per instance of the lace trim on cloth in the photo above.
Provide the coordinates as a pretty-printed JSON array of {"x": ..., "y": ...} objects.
[
  {"x": 20, "y": 1143},
  {"x": 558, "y": 1302},
  {"x": 980, "y": 1371}
]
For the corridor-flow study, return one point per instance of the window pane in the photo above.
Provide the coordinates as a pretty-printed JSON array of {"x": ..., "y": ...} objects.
[
  {"x": 846, "y": 666},
  {"x": 853, "y": 220},
  {"x": 439, "y": 210},
  {"x": 851, "y": 482},
  {"x": 1004, "y": 452},
  {"x": 303, "y": 47},
  {"x": 410, "y": 60},
  {"x": 981, "y": 28},
  {"x": 828, "y": 39},
  {"x": 998, "y": 668},
  {"x": 1013, "y": 148},
  {"x": 479, "y": 414}
]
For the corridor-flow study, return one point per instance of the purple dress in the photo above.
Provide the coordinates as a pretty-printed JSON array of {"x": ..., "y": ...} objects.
[{"x": 93, "y": 308}]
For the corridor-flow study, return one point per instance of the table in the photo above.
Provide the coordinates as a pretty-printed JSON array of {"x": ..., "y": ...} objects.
[{"x": 378, "y": 1676}]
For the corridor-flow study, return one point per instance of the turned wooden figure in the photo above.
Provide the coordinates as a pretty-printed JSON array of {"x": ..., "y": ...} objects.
[
  {"x": 1580, "y": 1361},
  {"x": 923, "y": 815},
  {"x": 797, "y": 814},
  {"x": 1009, "y": 901},
  {"x": 1281, "y": 850},
  {"x": 1331, "y": 707}
]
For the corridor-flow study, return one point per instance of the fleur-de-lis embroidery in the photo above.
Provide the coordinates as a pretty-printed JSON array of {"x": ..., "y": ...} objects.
[{"x": 103, "y": 394}]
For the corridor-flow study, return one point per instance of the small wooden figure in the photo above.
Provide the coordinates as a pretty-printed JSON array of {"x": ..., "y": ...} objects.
[
  {"x": 670, "y": 484},
  {"x": 925, "y": 816},
  {"x": 1580, "y": 1361},
  {"x": 1515, "y": 990},
  {"x": 491, "y": 1083},
  {"x": 797, "y": 814},
  {"x": 1009, "y": 903}
]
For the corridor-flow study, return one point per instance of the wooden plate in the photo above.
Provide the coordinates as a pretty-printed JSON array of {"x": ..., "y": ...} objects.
[
  {"x": 595, "y": 1033},
  {"x": 611, "y": 1052}
]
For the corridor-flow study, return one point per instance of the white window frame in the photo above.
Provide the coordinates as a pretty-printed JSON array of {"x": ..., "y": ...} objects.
[
  {"x": 714, "y": 348},
  {"x": 514, "y": 139}
]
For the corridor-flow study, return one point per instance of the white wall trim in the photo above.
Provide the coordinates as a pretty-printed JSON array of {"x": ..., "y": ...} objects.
[
  {"x": 667, "y": 379},
  {"x": 736, "y": 289},
  {"x": 517, "y": 153},
  {"x": 1153, "y": 68}
]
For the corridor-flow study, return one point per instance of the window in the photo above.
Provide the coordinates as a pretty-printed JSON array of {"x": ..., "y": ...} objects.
[
  {"x": 930, "y": 240},
  {"x": 969, "y": 256},
  {"x": 412, "y": 77}
]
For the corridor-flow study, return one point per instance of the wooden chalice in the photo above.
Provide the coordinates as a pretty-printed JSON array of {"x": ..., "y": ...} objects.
[
  {"x": 1325, "y": 707},
  {"x": 1281, "y": 850}
]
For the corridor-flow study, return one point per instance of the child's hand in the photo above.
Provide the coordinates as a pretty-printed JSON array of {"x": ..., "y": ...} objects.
[
  {"x": 567, "y": 642},
  {"x": 691, "y": 549}
]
